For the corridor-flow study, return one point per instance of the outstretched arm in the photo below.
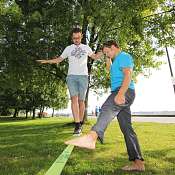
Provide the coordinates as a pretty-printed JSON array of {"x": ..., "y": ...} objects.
[
  {"x": 97, "y": 55},
  {"x": 55, "y": 60}
]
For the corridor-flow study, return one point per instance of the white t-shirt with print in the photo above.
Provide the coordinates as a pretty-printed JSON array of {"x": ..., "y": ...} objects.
[{"x": 77, "y": 56}]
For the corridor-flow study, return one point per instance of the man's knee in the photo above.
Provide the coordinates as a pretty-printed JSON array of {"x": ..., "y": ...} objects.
[
  {"x": 126, "y": 128},
  {"x": 74, "y": 99},
  {"x": 81, "y": 102}
]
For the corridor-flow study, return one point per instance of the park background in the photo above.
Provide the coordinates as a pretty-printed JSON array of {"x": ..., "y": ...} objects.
[{"x": 30, "y": 141}]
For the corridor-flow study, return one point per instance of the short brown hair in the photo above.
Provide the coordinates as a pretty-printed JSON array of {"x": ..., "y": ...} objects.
[
  {"x": 110, "y": 43},
  {"x": 76, "y": 30}
]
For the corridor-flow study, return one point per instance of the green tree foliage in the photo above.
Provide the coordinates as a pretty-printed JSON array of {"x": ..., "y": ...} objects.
[
  {"x": 32, "y": 29},
  {"x": 141, "y": 28},
  {"x": 26, "y": 35}
]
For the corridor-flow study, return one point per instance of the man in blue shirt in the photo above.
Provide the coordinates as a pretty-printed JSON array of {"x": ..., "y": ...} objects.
[{"x": 120, "y": 64}]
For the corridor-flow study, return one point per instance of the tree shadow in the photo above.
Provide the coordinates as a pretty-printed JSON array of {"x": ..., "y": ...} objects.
[
  {"x": 30, "y": 148},
  {"x": 95, "y": 165},
  {"x": 13, "y": 119}
]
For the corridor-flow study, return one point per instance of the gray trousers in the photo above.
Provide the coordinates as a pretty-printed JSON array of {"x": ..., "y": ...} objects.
[{"x": 110, "y": 110}]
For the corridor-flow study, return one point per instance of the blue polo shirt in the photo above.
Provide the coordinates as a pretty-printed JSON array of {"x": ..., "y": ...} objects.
[{"x": 122, "y": 60}]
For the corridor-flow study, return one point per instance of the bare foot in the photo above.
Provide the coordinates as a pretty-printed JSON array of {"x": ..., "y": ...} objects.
[
  {"x": 137, "y": 165},
  {"x": 86, "y": 141},
  {"x": 140, "y": 164}
]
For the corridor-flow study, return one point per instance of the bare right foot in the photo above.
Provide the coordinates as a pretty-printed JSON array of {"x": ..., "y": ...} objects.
[{"x": 87, "y": 141}]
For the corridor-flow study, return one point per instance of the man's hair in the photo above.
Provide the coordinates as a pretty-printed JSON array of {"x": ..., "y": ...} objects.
[
  {"x": 110, "y": 43},
  {"x": 76, "y": 30}
]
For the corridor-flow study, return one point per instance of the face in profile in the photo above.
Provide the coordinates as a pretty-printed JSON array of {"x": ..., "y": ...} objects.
[
  {"x": 76, "y": 38},
  {"x": 109, "y": 51}
]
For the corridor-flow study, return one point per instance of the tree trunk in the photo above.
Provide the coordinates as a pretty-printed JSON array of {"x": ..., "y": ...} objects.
[
  {"x": 15, "y": 113},
  {"x": 84, "y": 28},
  {"x": 53, "y": 112},
  {"x": 26, "y": 114},
  {"x": 40, "y": 112},
  {"x": 86, "y": 106},
  {"x": 33, "y": 113},
  {"x": 90, "y": 61}
]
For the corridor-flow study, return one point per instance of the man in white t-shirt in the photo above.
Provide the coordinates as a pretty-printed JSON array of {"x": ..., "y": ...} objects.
[{"x": 77, "y": 78}]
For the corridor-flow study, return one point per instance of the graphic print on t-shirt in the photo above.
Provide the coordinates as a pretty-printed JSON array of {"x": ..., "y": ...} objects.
[{"x": 78, "y": 52}]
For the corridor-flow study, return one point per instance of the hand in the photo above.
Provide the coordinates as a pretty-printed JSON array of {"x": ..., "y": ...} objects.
[
  {"x": 108, "y": 59},
  {"x": 119, "y": 99},
  {"x": 100, "y": 52},
  {"x": 43, "y": 61}
]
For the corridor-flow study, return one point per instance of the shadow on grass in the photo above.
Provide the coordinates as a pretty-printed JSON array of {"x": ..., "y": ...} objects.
[
  {"x": 13, "y": 119},
  {"x": 22, "y": 118},
  {"x": 72, "y": 124},
  {"x": 88, "y": 162},
  {"x": 28, "y": 149}
]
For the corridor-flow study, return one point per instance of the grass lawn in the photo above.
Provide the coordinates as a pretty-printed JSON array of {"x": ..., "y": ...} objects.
[{"x": 29, "y": 147}]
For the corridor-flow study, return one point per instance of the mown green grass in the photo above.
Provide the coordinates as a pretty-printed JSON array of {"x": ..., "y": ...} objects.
[{"x": 29, "y": 147}]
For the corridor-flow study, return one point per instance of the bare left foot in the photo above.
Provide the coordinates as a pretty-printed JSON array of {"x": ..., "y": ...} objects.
[
  {"x": 86, "y": 141},
  {"x": 137, "y": 165}
]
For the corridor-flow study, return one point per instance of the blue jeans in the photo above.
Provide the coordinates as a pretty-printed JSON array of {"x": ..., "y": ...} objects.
[
  {"x": 77, "y": 85},
  {"x": 110, "y": 110}
]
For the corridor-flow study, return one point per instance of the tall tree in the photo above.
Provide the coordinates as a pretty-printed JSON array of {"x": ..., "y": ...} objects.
[
  {"x": 27, "y": 34},
  {"x": 133, "y": 24},
  {"x": 33, "y": 29}
]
